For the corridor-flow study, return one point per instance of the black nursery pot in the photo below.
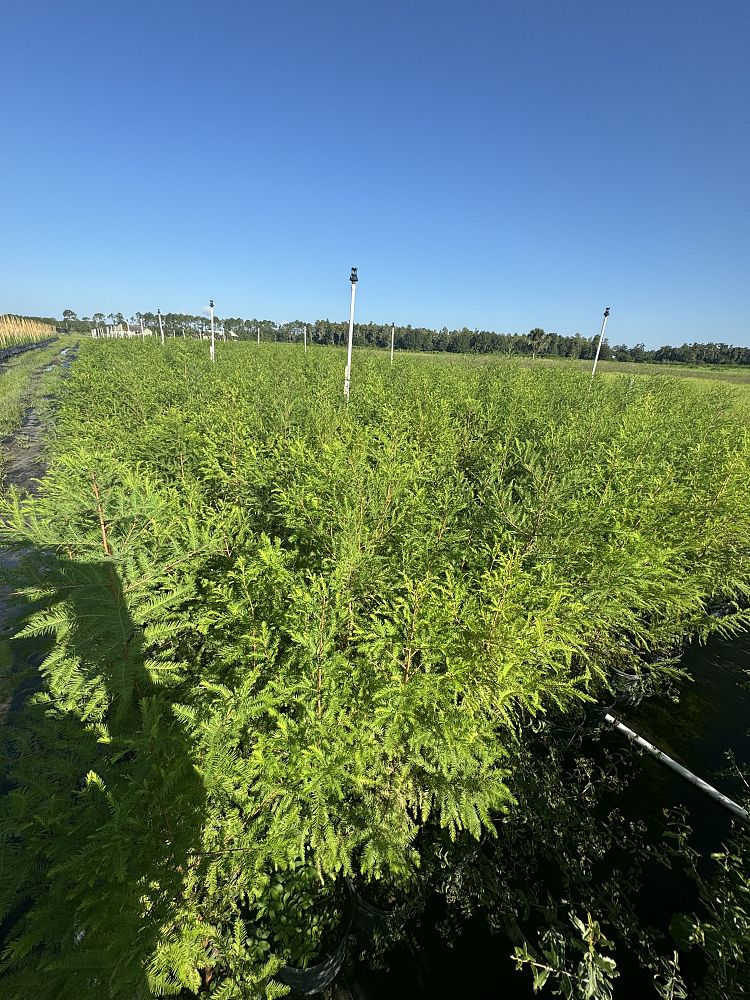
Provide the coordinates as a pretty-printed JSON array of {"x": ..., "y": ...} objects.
[
  {"x": 318, "y": 977},
  {"x": 629, "y": 689},
  {"x": 370, "y": 919}
]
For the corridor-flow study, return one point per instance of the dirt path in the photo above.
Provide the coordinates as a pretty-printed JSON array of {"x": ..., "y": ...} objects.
[
  {"x": 24, "y": 461},
  {"x": 23, "y": 450},
  {"x": 23, "y": 466}
]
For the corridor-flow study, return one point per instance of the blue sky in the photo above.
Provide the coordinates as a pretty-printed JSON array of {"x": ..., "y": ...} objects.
[{"x": 491, "y": 165}]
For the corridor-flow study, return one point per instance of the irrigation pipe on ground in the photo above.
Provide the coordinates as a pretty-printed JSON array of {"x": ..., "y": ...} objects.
[{"x": 682, "y": 771}]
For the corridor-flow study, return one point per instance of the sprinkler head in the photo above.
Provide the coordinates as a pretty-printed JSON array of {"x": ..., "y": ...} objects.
[
  {"x": 606, "y": 312},
  {"x": 353, "y": 276}
]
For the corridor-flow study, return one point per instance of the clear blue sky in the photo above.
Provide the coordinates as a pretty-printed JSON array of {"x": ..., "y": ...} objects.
[{"x": 484, "y": 164}]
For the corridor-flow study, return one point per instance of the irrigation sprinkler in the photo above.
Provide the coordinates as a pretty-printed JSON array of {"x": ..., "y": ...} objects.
[
  {"x": 143, "y": 335},
  {"x": 348, "y": 370},
  {"x": 393, "y": 339},
  {"x": 213, "y": 341},
  {"x": 305, "y": 335},
  {"x": 161, "y": 328},
  {"x": 257, "y": 330},
  {"x": 601, "y": 338}
]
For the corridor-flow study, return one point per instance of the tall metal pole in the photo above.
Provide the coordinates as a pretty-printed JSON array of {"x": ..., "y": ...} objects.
[
  {"x": 348, "y": 370},
  {"x": 161, "y": 328},
  {"x": 601, "y": 338},
  {"x": 393, "y": 339},
  {"x": 213, "y": 342},
  {"x": 305, "y": 338}
]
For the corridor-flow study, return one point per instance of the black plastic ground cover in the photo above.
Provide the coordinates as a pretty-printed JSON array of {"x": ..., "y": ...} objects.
[{"x": 10, "y": 352}]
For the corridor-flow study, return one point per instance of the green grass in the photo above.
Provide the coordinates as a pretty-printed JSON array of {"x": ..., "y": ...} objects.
[
  {"x": 736, "y": 375},
  {"x": 722, "y": 373},
  {"x": 19, "y": 386}
]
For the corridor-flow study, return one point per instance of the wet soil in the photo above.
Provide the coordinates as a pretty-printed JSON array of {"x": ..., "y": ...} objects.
[
  {"x": 23, "y": 466},
  {"x": 23, "y": 450}
]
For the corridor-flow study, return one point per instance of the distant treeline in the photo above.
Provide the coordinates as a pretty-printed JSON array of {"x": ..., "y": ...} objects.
[{"x": 536, "y": 343}]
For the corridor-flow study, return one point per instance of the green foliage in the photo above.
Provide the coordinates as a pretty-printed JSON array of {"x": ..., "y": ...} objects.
[
  {"x": 586, "y": 978},
  {"x": 297, "y": 914},
  {"x": 286, "y": 635},
  {"x": 564, "y": 848},
  {"x": 722, "y": 930},
  {"x": 668, "y": 981}
]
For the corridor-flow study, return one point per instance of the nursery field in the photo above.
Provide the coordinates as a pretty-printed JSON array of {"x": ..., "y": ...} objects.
[
  {"x": 291, "y": 640},
  {"x": 733, "y": 374},
  {"x": 737, "y": 375}
]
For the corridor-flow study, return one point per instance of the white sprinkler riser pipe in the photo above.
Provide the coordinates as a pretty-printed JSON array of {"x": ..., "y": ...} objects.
[
  {"x": 599, "y": 345},
  {"x": 213, "y": 342},
  {"x": 682, "y": 771},
  {"x": 393, "y": 339},
  {"x": 161, "y": 328},
  {"x": 348, "y": 369}
]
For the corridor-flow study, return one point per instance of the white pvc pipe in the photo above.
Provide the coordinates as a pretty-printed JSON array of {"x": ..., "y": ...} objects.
[
  {"x": 305, "y": 338},
  {"x": 601, "y": 338},
  {"x": 348, "y": 369},
  {"x": 161, "y": 328},
  {"x": 213, "y": 341},
  {"x": 393, "y": 339},
  {"x": 682, "y": 771}
]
